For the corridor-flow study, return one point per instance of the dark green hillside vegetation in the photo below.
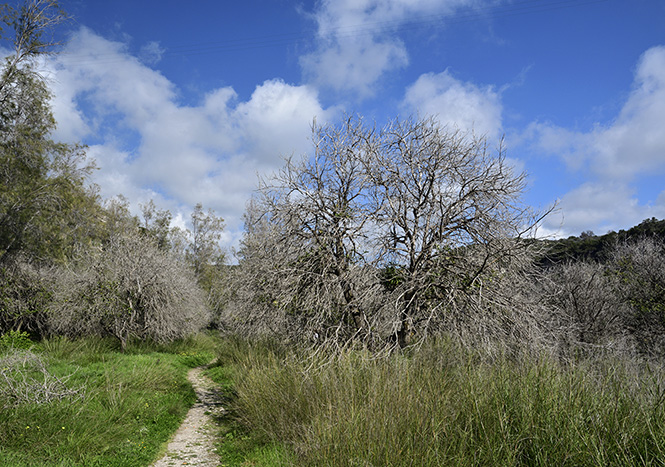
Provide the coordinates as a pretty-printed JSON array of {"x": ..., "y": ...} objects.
[{"x": 591, "y": 247}]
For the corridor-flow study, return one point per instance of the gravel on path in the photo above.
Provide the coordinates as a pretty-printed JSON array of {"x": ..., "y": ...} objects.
[{"x": 193, "y": 443}]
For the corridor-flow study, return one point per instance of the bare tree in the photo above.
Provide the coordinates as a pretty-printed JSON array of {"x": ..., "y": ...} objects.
[
  {"x": 448, "y": 215},
  {"x": 307, "y": 235},
  {"x": 381, "y": 233}
]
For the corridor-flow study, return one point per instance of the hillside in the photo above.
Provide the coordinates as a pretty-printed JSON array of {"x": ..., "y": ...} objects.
[{"x": 590, "y": 247}]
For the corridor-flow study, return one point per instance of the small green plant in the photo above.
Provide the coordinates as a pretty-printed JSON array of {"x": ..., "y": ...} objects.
[{"x": 15, "y": 340}]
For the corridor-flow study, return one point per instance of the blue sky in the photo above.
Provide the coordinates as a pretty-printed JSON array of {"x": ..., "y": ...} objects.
[{"x": 186, "y": 102}]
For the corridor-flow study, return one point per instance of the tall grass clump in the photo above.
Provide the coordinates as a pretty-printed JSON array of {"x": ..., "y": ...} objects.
[{"x": 443, "y": 405}]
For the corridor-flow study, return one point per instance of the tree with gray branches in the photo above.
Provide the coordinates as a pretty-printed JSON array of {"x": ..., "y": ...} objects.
[
  {"x": 380, "y": 233},
  {"x": 448, "y": 218}
]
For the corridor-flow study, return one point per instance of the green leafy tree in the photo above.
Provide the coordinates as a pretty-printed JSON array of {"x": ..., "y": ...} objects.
[
  {"x": 204, "y": 254},
  {"x": 43, "y": 197},
  {"x": 157, "y": 225},
  {"x": 204, "y": 250}
]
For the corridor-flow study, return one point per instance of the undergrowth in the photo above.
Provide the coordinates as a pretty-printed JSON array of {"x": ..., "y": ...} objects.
[
  {"x": 238, "y": 445},
  {"x": 441, "y": 405},
  {"x": 132, "y": 402}
]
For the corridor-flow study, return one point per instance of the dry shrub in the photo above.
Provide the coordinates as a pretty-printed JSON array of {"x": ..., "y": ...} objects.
[
  {"x": 618, "y": 307},
  {"x": 25, "y": 379},
  {"x": 128, "y": 289},
  {"x": 586, "y": 313},
  {"x": 640, "y": 270},
  {"x": 25, "y": 292}
]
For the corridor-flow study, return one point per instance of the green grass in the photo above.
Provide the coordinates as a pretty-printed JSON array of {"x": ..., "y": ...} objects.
[
  {"x": 238, "y": 445},
  {"x": 436, "y": 406},
  {"x": 442, "y": 406},
  {"x": 133, "y": 403}
]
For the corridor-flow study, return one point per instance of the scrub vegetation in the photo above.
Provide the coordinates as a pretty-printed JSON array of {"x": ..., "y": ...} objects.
[
  {"x": 390, "y": 305},
  {"x": 443, "y": 405}
]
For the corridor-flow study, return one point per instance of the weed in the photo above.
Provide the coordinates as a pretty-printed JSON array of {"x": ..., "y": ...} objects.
[{"x": 445, "y": 406}]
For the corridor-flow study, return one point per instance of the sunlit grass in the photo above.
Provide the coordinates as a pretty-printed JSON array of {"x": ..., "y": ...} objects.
[
  {"x": 133, "y": 403},
  {"x": 442, "y": 406}
]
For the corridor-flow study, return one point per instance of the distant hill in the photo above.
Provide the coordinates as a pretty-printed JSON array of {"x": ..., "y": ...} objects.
[{"x": 591, "y": 247}]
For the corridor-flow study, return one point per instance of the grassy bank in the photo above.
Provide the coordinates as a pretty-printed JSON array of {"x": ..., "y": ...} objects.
[
  {"x": 127, "y": 404},
  {"x": 443, "y": 406}
]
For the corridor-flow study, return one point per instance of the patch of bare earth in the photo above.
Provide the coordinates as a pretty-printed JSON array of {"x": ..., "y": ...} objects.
[{"x": 193, "y": 443}]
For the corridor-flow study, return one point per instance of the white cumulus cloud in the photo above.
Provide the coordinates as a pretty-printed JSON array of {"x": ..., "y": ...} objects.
[
  {"x": 149, "y": 144},
  {"x": 357, "y": 40},
  {"x": 455, "y": 103},
  {"x": 621, "y": 156},
  {"x": 630, "y": 145}
]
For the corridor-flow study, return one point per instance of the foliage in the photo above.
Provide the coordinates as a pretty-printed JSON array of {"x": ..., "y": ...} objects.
[
  {"x": 128, "y": 289},
  {"x": 204, "y": 250},
  {"x": 205, "y": 256},
  {"x": 598, "y": 248},
  {"x": 44, "y": 203},
  {"x": 156, "y": 225},
  {"x": 19, "y": 340}
]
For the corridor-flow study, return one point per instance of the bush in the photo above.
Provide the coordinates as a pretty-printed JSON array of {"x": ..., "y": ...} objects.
[
  {"x": 25, "y": 379},
  {"x": 128, "y": 289},
  {"x": 640, "y": 268},
  {"x": 586, "y": 312},
  {"x": 15, "y": 340},
  {"x": 25, "y": 293}
]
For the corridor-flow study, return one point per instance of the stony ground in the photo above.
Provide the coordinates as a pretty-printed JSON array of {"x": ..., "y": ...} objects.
[{"x": 193, "y": 443}]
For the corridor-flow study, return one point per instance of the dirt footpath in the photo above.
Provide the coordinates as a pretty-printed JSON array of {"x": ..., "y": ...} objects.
[{"x": 193, "y": 443}]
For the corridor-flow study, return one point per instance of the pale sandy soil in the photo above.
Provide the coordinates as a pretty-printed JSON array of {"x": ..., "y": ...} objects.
[{"x": 193, "y": 443}]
